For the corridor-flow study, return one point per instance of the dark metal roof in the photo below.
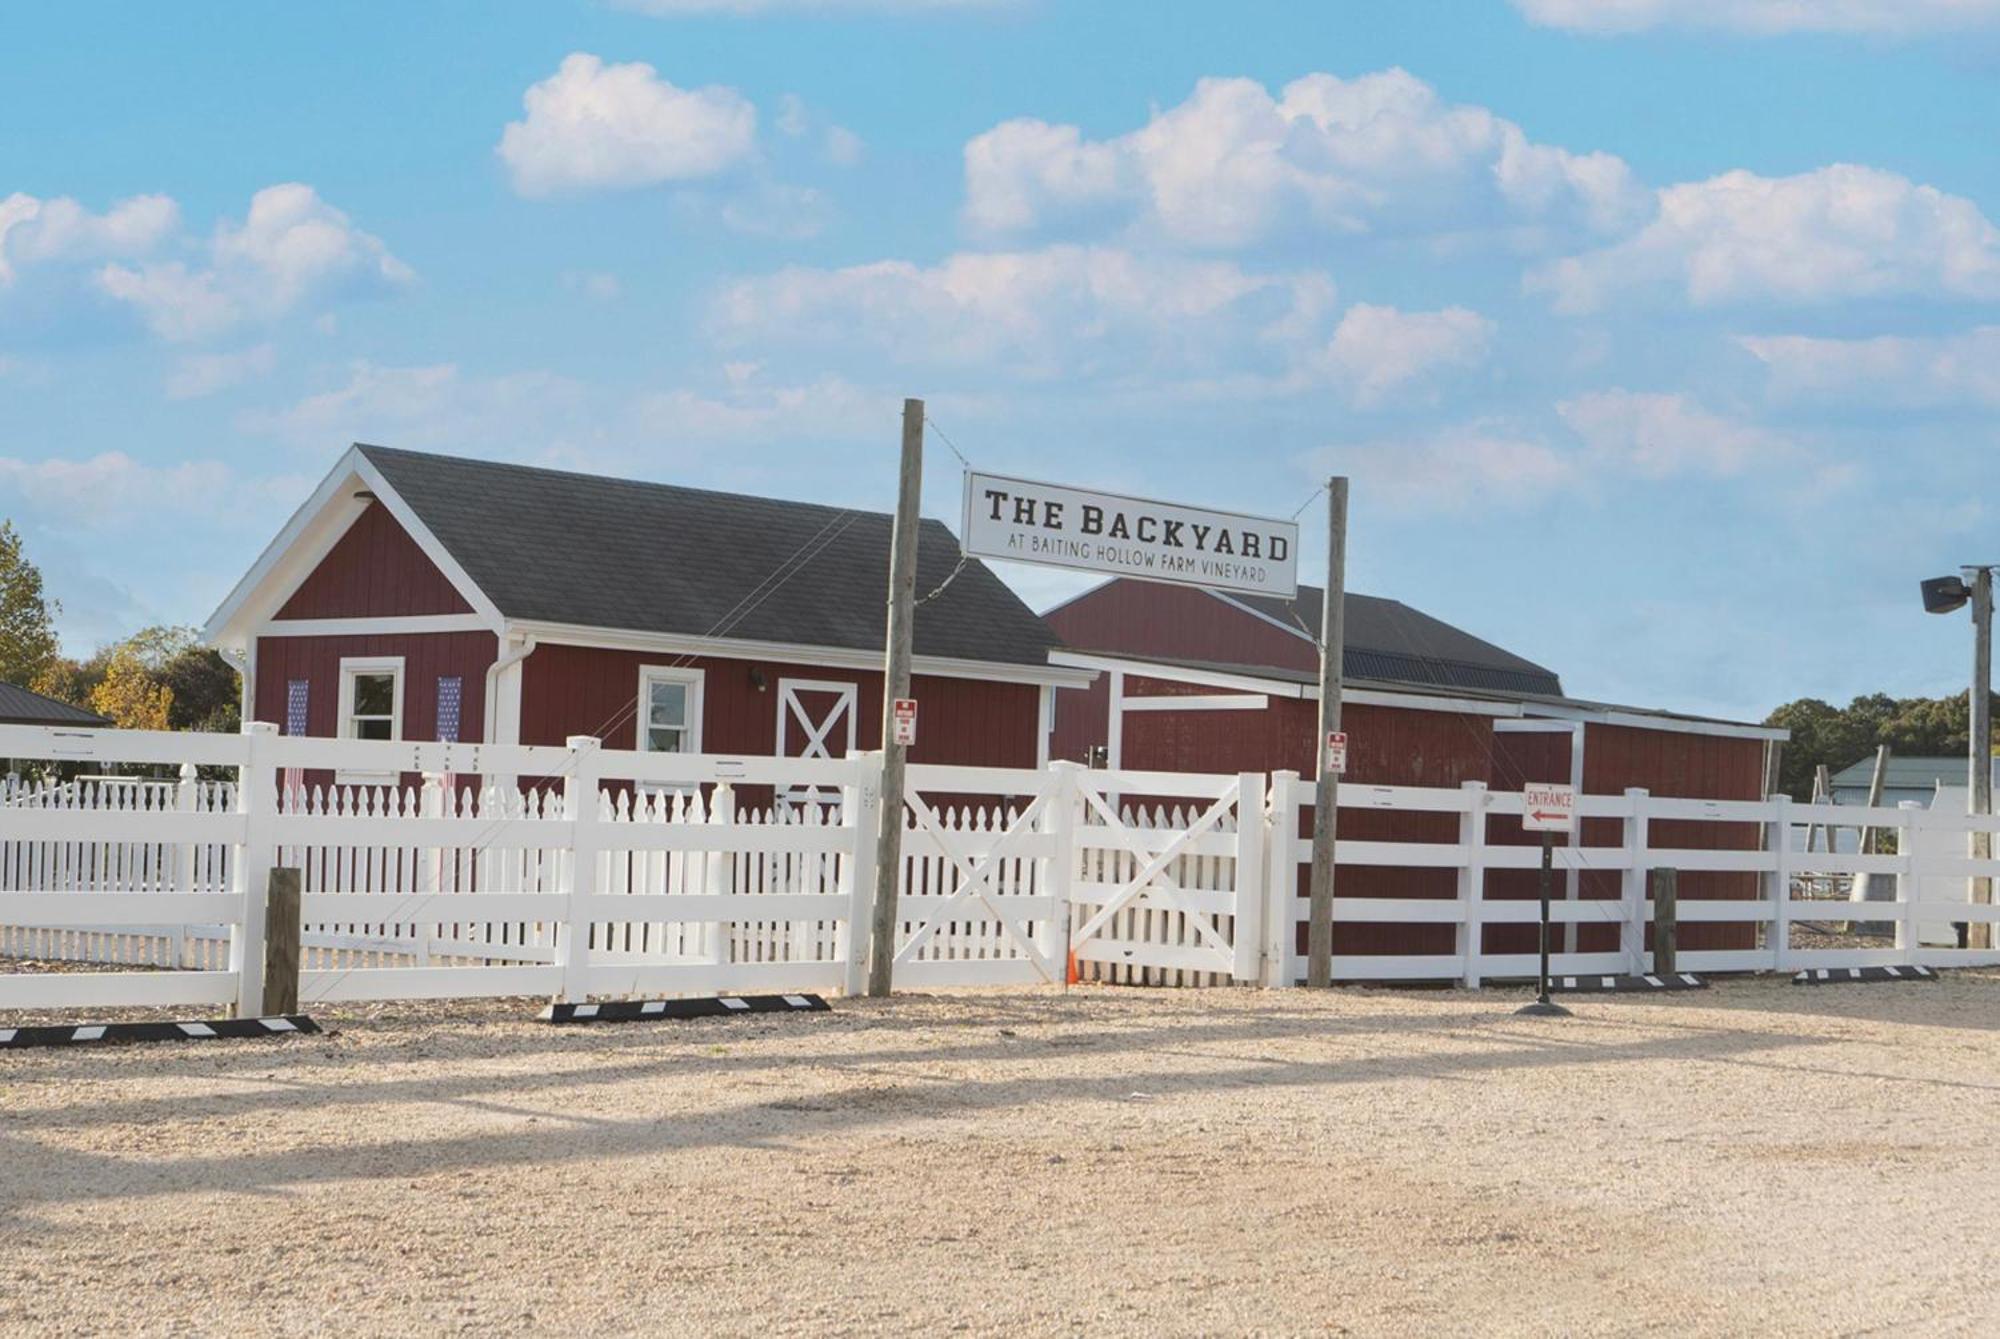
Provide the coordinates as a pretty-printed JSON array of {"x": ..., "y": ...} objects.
[
  {"x": 19, "y": 706},
  {"x": 1388, "y": 640},
  {"x": 558, "y": 547}
]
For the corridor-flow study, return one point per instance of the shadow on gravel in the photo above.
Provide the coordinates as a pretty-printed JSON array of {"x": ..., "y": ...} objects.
[{"x": 867, "y": 1090}]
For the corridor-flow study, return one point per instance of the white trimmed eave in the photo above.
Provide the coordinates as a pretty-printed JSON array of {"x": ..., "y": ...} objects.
[
  {"x": 306, "y": 539},
  {"x": 1053, "y": 674},
  {"x": 1556, "y": 715}
]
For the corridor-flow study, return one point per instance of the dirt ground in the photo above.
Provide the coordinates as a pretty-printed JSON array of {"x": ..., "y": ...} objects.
[{"x": 1759, "y": 1158}]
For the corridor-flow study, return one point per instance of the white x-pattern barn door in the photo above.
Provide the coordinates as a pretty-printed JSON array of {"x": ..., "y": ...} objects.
[{"x": 817, "y": 718}]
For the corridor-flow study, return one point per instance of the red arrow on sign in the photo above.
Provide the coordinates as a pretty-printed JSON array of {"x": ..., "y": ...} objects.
[{"x": 1544, "y": 816}]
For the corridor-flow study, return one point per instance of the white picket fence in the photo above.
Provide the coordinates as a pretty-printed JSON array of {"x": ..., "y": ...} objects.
[{"x": 579, "y": 871}]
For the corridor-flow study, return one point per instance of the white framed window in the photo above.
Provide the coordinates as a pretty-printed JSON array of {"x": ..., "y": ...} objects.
[
  {"x": 669, "y": 709},
  {"x": 371, "y": 707}
]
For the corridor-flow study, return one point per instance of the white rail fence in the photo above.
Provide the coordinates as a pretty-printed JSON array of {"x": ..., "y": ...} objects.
[{"x": 579, "y": 871}]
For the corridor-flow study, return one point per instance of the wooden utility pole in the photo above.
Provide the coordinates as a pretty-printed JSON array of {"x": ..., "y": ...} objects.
[
  {"x": 1326, "y": 795},
  {"x": 1979, "y": 934},
  {"x": 895, "y": 685}
]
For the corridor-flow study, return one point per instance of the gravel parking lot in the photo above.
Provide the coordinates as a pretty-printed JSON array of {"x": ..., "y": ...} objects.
[{"x": 1760, "y": 1157}]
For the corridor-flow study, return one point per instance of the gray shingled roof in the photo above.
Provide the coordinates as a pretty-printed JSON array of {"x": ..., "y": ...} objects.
[
  {"x": 1386, "y": 639},
  {"x": 547, "y": 545},
  {"x": 19, "y": 706}
]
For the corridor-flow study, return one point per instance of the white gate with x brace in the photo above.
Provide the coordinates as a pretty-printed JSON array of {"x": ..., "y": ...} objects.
[
  {"x": 984, "y": 893},
  {"x": 1170, "y": 873}
]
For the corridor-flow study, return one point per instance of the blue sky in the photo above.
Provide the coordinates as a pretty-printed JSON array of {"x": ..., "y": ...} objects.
[{"x": 1660, "y": 337}]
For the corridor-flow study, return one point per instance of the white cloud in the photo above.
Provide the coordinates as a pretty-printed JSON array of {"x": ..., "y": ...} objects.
[
  {"x": 1910, "y": 372},
  {"x": 293, "y": 248},
  {"x": 431, "y": 406},
  {"x": 844, "y": 148},
  {"x": 108, "y": 492},
  {"x": 1764, "y": 16},
  {"x": 1232, "y": 166},
  {"x": 1841, "y": 232},
  {"x": 595, "y": 284},
  {"x": 749, "y": 410},
  {"x": 592, "y": 125},
  {"x": 1065, "y": 311},
  {"x": 206, "y": 373},
  {"x": 1378, "y": 350},
  {"x": 1612, "y": 438},
  {"x": 1658, "y": 436},
  {"x": 1452, "y": 469},
  {"x": 545, "y": 418},
  {"x": 33, "y": 230},
  {"x": 772, "y": 209}
]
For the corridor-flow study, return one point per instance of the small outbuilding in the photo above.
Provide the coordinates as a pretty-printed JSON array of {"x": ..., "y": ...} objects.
[{"x": 22, "y": 706}]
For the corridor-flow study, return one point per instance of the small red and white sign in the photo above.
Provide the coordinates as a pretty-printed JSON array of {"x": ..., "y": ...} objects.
[
  {"x": 904, "y": 722},
  {"x": 1548, "y": 808},
  {"x": 1336, "y": 753}
]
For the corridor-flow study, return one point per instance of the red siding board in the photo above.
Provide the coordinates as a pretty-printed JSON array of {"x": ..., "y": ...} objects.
[{"x": 375, "y": 570}]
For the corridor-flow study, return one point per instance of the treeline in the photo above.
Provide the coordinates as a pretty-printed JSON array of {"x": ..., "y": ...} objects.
[
  {"x": 159, "y": 678},
  {"x": 1838, "y": 737}
]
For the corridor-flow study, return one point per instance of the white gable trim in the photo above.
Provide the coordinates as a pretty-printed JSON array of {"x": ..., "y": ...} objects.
[{"x": 310, "y": 535}]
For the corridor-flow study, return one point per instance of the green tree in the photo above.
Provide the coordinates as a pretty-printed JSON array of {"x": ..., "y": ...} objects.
[
  {"x": 27, "y": 614},
  {"x": 1838, "y": 737}
]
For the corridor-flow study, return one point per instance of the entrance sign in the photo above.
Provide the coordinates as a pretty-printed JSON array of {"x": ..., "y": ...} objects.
[
  {"x": 1336, "y": 753},
  {"x": 905, "y": 721},
  {"x": 1548, "y": 808},
  {"x": 1020, "y": 521}
]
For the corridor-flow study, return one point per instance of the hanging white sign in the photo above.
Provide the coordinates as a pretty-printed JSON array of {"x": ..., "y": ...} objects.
[{"x": 1025, "y": 522}]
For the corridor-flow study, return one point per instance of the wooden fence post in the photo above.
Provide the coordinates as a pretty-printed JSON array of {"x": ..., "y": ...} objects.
[
  {"x": 282, "y": 936},
  {"x": 1666, "y": 921}
]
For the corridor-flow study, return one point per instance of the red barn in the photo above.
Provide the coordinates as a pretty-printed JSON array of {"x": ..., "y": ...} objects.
[
  {"x": 1201, "y": 681},
  {"x": 421, "y": 596}
]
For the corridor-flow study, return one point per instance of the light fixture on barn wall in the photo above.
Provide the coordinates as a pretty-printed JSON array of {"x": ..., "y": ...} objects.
[
  {"x": 363, "y": 495},
  {"x": 757, "y": 679}
]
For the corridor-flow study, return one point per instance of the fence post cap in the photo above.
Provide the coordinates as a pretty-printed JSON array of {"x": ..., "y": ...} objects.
[{"x": 260, "y": 728}]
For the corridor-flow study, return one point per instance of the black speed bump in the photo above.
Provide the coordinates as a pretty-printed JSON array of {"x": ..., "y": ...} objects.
[
  {"x": 1626, "y": 985},
  {"x": 218, "y": 1029},
  {"x": 725, "y": 1006},
  {"x": 1847, "y": 976}
]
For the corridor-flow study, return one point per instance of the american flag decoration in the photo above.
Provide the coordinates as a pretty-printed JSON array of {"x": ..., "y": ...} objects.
[
  {"x": 293, "y": 780},
  {"x": 450, "y": 693}
]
